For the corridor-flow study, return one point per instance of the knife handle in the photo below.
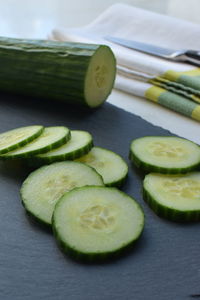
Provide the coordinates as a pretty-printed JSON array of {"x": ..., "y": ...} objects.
[{"x": 193, "y": 57}]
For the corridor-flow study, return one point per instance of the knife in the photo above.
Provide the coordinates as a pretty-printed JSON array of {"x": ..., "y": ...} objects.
[{"x": 191, "y": 56}]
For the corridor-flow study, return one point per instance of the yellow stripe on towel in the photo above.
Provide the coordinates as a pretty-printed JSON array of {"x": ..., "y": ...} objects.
[
  {"x": 196, "y": 113},
  {"x": 154, "y": 92},
  {"x": 174, "y": 76}
]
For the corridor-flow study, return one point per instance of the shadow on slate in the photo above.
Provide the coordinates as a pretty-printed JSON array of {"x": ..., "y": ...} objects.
[{"x": 164, "y": 264}]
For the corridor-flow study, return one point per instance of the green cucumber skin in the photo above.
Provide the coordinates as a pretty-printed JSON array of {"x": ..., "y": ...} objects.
[
  {"x": 118, "y": 183},
  {"x": 94, "y": 257},
  {"x": 121, "y": 181},
  {"x": 146, "y": 167},
  {"x": 22, "y": 143},
  {"x": 35, "y": 218},
  {"x": 168, "y": 212},
  {"x": 30, "y": 213},
  {"x": 37, "y": 161},
  {"x": 37, "y": 151},
  {"x": 91, "y": 257},
  {"x": 48, "y": 69}
]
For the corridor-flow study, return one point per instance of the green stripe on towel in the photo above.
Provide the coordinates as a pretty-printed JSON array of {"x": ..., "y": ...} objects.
[
  {"x": 191, "y": 81},
  {"x": 173, "y": 101},
  {"x": 188, "y": 78},
  {"x": 173, "y": 75},
  {"x": 177, "y": 88},
  {"x": 177, "y": 103},
  {"x": 186, "y": 84}
]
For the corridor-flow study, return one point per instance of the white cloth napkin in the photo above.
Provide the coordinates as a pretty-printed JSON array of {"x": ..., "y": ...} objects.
[{"x": 135, "y": 68}]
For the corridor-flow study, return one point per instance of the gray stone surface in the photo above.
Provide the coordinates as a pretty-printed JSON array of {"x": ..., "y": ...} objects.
[{"x": 164, "y": 265}]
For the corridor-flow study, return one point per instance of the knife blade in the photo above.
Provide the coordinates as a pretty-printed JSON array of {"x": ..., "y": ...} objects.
[{"x": 182, "y": 55}]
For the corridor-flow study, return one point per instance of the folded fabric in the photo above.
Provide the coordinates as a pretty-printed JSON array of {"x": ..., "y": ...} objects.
[{"x": 171, "y": 84}]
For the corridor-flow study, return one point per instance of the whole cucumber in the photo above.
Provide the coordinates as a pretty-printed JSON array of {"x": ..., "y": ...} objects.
[{"x": 73, "y": 72}]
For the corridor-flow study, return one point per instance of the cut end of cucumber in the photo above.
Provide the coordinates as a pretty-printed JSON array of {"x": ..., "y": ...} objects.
[{"x": 100, "y": 76}]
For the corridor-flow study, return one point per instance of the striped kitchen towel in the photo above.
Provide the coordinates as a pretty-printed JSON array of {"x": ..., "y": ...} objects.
[{"x": 171, "y": 84}]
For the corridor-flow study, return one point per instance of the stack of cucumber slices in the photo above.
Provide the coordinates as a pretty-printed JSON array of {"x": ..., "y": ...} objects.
[
  {"x": 172, "y": 190},
  {"x": 74, "y": 190}
]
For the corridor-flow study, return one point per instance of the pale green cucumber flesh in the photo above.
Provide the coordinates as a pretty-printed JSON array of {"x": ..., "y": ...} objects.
[
  {"x": 97, "y": 222},
  {"x": 71, "y": 72},
  {"x": 108, "y": 164},
  {"x": 100, "y": 77},
  {"x": 15, "y": 138},
  {"x": 162, "y": 154},
  {"x": 51, "y": 137},
  {"x": 79, "y": 144},
  {"x": 43, "y": 187},
  {"x": 175, "y": 197}
]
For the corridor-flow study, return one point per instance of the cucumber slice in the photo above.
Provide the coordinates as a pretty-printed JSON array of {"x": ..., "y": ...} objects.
[
  {"x": 18, "y": 137},
  {"x": 43, "y": 187},
  {"x": 162, "y": 154},
  {"x": 51, "y": 137},
  {"x": 97, "y": 222},
  {"x": 176, "y": 197},
  {"x": 79, "y": 144},
  {"x": 108, "y": 164}
]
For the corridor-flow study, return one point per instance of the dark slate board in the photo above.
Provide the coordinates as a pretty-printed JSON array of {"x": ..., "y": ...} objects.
[{"x": 164, "y": 264}]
